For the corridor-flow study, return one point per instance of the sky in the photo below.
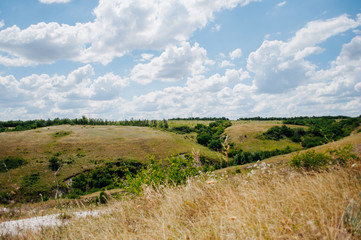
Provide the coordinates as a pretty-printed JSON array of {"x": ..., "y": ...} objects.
[{"x": 161, "y": 59}]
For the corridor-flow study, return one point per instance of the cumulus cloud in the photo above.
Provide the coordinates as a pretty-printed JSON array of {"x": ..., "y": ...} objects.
[
  {"x": 173, "y": 64},
  {"x": 226, "y": 63},
  {"x": 146, "y": 57},
  {"x": 332, "y": 91},
  {"x": 43, "y": 95},
  {"x": 54, "y": 1},
  {"x": 280, "y": 66},
  {"x": 237, "y": 53},
  {"x": 119, "y": 27}
]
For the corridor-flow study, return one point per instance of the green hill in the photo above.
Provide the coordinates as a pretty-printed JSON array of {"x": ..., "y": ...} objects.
[{"x": 81, "y": 148}]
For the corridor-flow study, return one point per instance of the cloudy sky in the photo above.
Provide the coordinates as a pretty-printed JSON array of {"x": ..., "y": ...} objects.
[{"x": 154, "y": 59}]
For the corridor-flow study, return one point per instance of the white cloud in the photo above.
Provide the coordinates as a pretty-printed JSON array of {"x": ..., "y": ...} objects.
[
  {"x": 120, "y": 26},
  {"x": 146, "y": 57},
  {"x": 41, "y": 43},
  {"x": 226, "y": 63},
  {"x": 174, "y": 64},
  {"x": 2, "y": 23},
  {"x": 237, "y": 53},
  {"x": 280, "y": 66},
  {"x": 43, "y": 96},
  {"x": 108, "y": 87},
  {"x": 281, "y": 4},
  {"x": 216, "y": 27},
  {"x": 54, "y": 1}
]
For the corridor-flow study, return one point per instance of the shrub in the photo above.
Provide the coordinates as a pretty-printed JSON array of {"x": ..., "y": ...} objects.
[
  {"x": 54, "y": 163},
  {"x": 216, "y": 145},
  {"x": 204, "y": 138},
  {"x": 173, "y": 171},
  {"x": 11, "y": 163},
  {"x": 182, "y": 129},
  {"x": 61, "y": 134},
  {"x": 102, "y": 199},
  {"x": 343, "y": 155},
  {"x": 310, "y": 160}
]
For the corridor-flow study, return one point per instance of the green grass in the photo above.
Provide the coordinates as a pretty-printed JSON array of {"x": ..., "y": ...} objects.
[
  {"x": 245, "y": 135},
  {"x": 86, "y": 147}
]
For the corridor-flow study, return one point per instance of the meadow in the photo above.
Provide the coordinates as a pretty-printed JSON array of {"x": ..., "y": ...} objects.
[
  {"x": 268, "y": 199},
  {"x": 81, "y": 148}
]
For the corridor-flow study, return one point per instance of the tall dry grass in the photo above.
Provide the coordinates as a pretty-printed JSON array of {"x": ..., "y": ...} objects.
[{"x": 269, "y": 204}]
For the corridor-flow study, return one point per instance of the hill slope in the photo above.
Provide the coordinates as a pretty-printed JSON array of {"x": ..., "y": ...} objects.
[{"x": 85, "y": 147}]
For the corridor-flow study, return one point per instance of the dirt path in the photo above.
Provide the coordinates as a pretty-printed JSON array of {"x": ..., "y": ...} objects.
[{"x": 19, "y": 227}]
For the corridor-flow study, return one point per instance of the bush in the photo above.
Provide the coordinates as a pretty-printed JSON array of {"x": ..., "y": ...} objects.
[
  {"x": 216, "y": 145},
  {"x": 102, "y": 199},
  {"x": 204, "y": 138},
  {"x": 11, "y": 163},
  {"x": 310, "y": 160},
  {"x": 54, "y": 163},
  {"x": 61, "y": 134},
  {"x": 182, "y": 129},
  {"x": 343, "y": 155},
  {"x": 173, "y": 171}
]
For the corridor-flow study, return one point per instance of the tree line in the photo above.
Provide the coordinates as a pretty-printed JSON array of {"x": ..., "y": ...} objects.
[{"x": 19, "y": 125}]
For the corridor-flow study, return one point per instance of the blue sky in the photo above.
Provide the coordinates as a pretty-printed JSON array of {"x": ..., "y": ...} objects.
[{"x": 163, "y": 59}]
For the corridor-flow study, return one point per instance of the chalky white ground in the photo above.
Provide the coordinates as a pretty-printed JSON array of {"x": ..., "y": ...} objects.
[{"x": 16, "y": 227}]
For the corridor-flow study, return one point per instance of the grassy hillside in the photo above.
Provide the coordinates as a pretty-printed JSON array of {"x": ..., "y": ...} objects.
[
  {"x": 272, "y": 202},
  {"x": 85, "y": 147},
  {"x": 245, "y": 135}
]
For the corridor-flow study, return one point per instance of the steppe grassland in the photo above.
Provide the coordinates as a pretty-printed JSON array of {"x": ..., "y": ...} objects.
[
  {"x": 245, "y": 135},
  {"x": 275, "y": 202},
  {"x": 353, "y": 140},
  {"x": 87, "y": 146}
]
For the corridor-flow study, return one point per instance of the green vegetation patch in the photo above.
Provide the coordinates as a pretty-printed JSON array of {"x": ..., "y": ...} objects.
[
  {"x": 61, "y": 134},
  {"x": 311, "y": 160},
  {"x": 10, "y": 162}
]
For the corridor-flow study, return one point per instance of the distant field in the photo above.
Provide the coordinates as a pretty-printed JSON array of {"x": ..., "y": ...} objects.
[
  {"x": 244, "y": 135},
  {"x": 189, "y": 123},
  {"x": 86, "y": 147}
]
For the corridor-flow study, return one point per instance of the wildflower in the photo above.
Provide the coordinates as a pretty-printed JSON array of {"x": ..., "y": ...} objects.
[{"x": 233, "y": 218}]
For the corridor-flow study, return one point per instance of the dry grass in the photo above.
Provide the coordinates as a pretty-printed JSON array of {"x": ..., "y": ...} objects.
[{"x": 272, "y": 203}]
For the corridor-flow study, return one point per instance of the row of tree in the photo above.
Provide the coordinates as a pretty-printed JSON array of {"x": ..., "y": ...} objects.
[{"x": 19, "y": 125}]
